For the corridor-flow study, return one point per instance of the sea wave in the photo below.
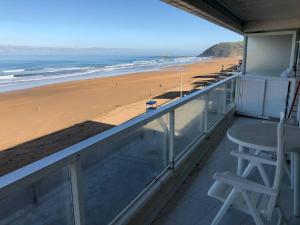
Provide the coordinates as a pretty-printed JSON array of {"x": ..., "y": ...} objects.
[
  {"x": 121, "y": 66},
  {"x": 14, "y": 71},
  {"x": 40, "y": 74},
  {"x": 7, "y": 76},
  {"x": 53, "y": 70}
]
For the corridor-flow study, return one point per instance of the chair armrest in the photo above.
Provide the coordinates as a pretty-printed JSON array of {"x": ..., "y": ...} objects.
[
  {"x": 243, "y": 183},
  {"x": 253, "y": 158}
]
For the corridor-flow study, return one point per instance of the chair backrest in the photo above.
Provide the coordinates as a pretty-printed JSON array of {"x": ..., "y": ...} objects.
[{"x": 279, "y": 165}]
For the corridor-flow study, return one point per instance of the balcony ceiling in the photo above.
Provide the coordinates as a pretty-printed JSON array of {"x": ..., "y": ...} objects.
[
  {"x": 256, "y": 10},
  {"x": 245, "y": 15}
]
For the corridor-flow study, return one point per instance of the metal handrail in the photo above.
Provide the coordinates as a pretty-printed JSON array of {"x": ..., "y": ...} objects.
[{"x": 71, "y": 154}]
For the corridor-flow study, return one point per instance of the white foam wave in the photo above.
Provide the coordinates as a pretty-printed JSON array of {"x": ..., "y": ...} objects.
[
  {"x": 45, "y": 75},
  {"x": 44, "y": 78},
  {"x": 7, "y": 76},
  {"x": 121, "y": 66},
  {"x": 53, "y": 70},
  {"x": 14, "y": 71}
]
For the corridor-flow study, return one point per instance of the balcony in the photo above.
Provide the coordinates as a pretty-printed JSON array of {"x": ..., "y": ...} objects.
[
  {"x": 155, "y": 169},
  {"x": 190, "y": 205},
  {"x": 122, "y": 175}
]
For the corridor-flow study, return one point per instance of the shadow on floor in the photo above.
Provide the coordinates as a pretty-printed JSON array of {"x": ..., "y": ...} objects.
[{"x": 28, "y": 152}]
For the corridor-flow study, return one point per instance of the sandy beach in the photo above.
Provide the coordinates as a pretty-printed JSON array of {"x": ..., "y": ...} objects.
[{"x": 36, "y": 122}]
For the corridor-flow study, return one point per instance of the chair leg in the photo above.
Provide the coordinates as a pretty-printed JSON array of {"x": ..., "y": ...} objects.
[
  {"x": 252, "y": 209},
  {"x": 241, "y": 162},
  {"x": 224, "y": 207},
  {"x": 264, "y": 175},
  {"x": 248, "y": 170}
]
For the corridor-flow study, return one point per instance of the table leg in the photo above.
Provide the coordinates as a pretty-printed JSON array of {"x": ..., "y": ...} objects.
[
  {"x": 296, "y": 158},
  {"x": 241, "y": 162}
]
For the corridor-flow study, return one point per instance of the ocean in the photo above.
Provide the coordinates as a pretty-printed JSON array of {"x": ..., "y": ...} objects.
[{"x": 21, "y": 72}]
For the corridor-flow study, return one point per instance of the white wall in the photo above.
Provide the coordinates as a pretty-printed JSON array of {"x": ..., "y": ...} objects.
[{"x": 268, "y": 54}]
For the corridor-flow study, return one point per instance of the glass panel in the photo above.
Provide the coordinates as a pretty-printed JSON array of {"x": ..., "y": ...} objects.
[
  {"x": 46, "y": 201},
  {"x": 189, "y": 124},
  {"x": 215, "y": 105},
  {"x": 230, "y": 87},
  {"x": 114, "y": 173}
]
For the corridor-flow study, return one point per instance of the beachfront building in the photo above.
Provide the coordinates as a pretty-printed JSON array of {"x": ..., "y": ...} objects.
[{"x": 158, "y": 168}]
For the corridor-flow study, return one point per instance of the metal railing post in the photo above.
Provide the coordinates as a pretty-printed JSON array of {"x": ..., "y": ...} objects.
[
  {"x": 165, "y": 129},
  {"x": 171, "y": 139},
  {"x": 77, "y": 197},
  {"x": 232, "y": 92},
  {"x": 224, "y": 98},
  {"x": 206, "y": 99},
  {"x": 237, "y": 90}
]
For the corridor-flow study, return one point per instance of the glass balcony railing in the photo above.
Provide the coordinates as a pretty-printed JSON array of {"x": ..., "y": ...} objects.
[{"x": 94, "y": 181}]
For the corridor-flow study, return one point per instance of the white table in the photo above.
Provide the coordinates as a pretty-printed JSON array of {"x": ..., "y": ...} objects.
[{"x": 263, "y": 136}]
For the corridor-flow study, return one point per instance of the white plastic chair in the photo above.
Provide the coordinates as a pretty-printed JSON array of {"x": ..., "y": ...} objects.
[
  {"x": 288, "y": 156},
  {"x": 257, "y": 200}
]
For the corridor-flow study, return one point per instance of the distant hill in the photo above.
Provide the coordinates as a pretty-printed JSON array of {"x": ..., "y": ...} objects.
[{"x": 224, "y": 49}]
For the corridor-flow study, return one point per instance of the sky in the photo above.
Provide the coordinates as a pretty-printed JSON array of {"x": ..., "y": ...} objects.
[{"x": 131, "y": 24}]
